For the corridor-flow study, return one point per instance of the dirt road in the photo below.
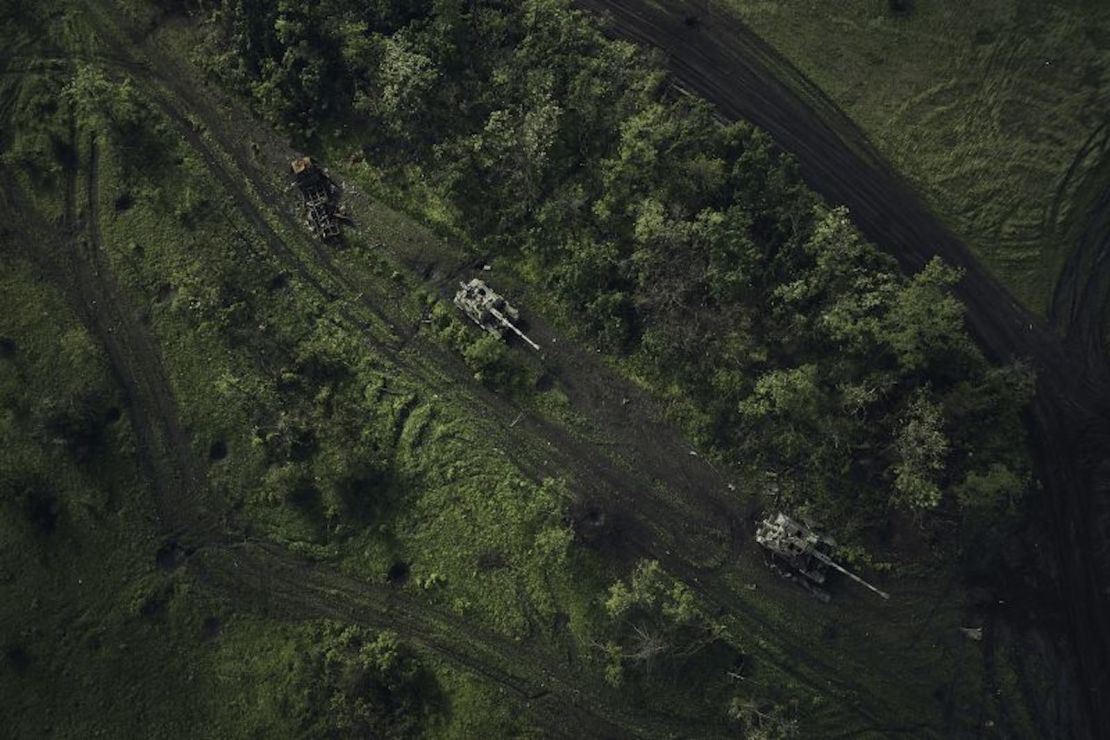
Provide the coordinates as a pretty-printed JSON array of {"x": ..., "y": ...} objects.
[
  {"x": 714, "y": 55},
  {"x": 666, "y": 494}
]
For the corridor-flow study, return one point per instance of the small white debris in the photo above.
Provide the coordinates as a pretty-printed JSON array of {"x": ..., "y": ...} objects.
[
  {"x": 487, "y": 268},
  {"x": 972, "y": 633}
]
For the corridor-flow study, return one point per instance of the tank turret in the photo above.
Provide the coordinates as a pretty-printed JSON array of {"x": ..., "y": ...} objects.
[
  {"x": 489, "y": 310},
  {"x": 800, "y": 554}
]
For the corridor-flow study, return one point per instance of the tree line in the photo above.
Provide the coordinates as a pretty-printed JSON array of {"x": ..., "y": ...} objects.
[{"x": 691, "y": 249}]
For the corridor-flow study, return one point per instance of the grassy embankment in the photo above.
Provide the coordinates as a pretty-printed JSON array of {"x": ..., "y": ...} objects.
[{"x": 995, "y": 110}]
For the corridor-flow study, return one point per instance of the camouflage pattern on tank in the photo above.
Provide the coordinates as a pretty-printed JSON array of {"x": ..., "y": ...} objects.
[{"x": 489, "y": 310}]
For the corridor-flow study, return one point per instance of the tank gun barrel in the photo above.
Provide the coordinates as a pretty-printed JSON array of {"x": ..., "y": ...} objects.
[
  {"x": 505, "y": 322},
  {"x": 833, "y": 564}
]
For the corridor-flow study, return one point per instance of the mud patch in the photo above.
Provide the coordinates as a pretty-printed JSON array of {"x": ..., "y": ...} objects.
[
  {"x": 112, "y": 415},
  {"x": 218, "y": 451},
  {"x": 7, "y": 347},
  {"x": 398, "y": 573},
  {"x": 163, "y": 293}
]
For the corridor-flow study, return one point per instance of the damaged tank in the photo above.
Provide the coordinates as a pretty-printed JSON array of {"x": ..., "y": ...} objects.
[
  {"x": 800, "y": 554},
  {"x": 317, "y": 190},
  {"x": 489, "y": 310}
]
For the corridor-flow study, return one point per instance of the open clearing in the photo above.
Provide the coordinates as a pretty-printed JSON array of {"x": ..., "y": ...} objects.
[{"x": 996, "y": 111}]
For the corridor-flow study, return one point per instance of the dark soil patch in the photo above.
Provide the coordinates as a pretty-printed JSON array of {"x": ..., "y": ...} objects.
[
  {"x": 18, "y": 658},
  {"x": 163, "y": 293},
  {"x": 138, "y": 250},
  {"x": 211, "y": 628},
  {"x": 218, "y": 451},
  {"x": 561, "y": 621},
  {"x": 398, "y": 573},
  {"x": 278, "y": 282},
  {"x": 112, "y": 415},
  {"x": 170, "y": 556},
  {"x": 7, "y": 347}
]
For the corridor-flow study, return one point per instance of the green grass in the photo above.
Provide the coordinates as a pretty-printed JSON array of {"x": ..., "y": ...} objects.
[
  {"x": 995, "y": 110},
  {"x": 251, "y": 362},
  {"x": 95, "y": 637}
]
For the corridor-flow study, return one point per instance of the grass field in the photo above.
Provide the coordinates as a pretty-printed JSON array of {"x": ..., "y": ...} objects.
[
  {"x": 321, "y": 395},
  {"x": 996, "y": 110}
]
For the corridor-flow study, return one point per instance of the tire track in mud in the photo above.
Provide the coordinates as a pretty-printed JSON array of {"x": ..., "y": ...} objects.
[
  {"x": 163, "y": 446},
  {"x": 127, "y": 351},
  {"x": 618, "y": 484},
  {"x": 165, "y": 456},
  {"x": 1079, "y": 301},
  {"x": 719, "y": 58},
  {"x": 565, "y": 700},
  {"x": 137, "y": 360},
  {"x": 652, "y": 520}
]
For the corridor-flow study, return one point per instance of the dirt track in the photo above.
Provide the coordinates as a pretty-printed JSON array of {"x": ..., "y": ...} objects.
[
  {"x": 714, "y": 55},
  {"x": 661, "y": 455}
]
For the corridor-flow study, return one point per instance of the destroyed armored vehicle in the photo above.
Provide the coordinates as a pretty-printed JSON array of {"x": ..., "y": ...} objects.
[
  {"x": 489, "y": 310},
  {"x": 800, "y": 554},
  {"x": 316, "y": 189}
]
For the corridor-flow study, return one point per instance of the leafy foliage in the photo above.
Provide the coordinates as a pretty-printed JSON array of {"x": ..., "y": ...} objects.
[
  {"x": 653, "y": 619},
  {"x": 690, "y": 247}
]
